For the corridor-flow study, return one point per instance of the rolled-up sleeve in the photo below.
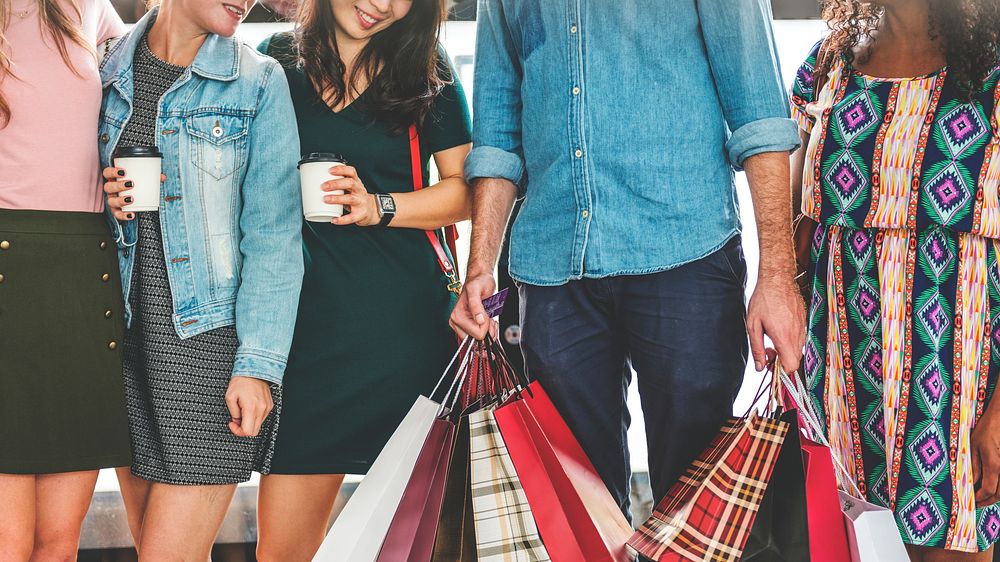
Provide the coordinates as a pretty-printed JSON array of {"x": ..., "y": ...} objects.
[
  {"x": 496, "y": 131},
  {"x": 744, "y": 61}
]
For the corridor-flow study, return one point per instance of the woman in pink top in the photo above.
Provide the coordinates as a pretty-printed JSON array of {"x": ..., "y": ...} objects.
[{"x": 61, "y": 392}]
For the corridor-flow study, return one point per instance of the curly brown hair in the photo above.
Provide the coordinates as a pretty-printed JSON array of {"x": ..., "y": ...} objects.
[{"x": 969, "y": 29}]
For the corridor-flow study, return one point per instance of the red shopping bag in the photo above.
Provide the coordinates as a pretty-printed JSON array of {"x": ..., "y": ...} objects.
[
  {"x": 827, "y": 533},
  {"x": 576, "y": 515},
  {"x": 414, "y": 526}
]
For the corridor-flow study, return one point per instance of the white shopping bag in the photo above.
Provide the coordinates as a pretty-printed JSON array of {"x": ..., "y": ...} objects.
[
  {"x": 358, "y": 532},
  {"x": 872, "y": 532}
]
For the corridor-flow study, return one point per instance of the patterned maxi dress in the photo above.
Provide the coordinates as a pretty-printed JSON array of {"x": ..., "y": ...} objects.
[{"x": 904, "y": 346}]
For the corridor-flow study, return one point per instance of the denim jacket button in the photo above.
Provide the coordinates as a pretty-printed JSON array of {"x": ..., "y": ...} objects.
[{"x": 105, "y": 138}]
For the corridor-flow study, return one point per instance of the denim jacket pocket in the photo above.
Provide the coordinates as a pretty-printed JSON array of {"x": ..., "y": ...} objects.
[{"x": 218, "y": 141}]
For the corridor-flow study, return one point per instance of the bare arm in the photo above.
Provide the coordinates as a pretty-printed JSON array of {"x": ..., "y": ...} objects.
[
  {"x": 776, "y": 309},
  {"x": 493, "y": 200},
  {"x": 446, "y": 202}
]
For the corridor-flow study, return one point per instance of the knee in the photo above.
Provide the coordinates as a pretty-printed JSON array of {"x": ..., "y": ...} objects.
[{"x": 56, "y": 548}]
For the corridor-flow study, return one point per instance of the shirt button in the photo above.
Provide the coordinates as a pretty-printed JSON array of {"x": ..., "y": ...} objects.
[
  {"x": 579, "y": 153},
  {"x": 107, "y": 314},
  {"x": 1, "y": 278},
  {"x": 4, "y": 245},
  {"x": 576, "y": 90},
  {"x": 104, "y": 245},
  {"x": 105, "y": 277},
  {"x": 572, "y": 29},
  {"x": 113, "y": 345}
]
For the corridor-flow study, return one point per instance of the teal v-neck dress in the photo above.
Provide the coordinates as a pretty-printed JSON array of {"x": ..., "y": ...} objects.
[{"x": 372, "y": 331}]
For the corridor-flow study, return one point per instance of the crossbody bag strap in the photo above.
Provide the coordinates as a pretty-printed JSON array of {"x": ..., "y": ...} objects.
[{"x": 454, "y": 284}]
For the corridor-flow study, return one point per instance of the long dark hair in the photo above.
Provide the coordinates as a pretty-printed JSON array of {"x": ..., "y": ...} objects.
[
  {"x": 970, "y": 30},
  {"x": 401, "y": 63}
]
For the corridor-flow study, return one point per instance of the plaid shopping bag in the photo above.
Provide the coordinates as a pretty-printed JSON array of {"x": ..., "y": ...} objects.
[
  {"x": 505, "y": 528},
  {"x": 707, "y": 514}
]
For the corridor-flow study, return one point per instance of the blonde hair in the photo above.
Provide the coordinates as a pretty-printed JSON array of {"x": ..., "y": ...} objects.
[{"x": 60, "y": 26}]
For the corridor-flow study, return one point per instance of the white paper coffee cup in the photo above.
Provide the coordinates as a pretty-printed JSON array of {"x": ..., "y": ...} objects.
[
  {"x": 142, "y": 168},
  {"x": 314, "y": 171}
]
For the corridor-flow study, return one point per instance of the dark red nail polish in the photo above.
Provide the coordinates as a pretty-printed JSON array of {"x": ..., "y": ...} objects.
[{"x": 128, "y": 183}]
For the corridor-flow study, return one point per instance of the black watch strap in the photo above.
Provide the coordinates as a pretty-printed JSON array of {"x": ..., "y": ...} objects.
[{"x": 386, "y": 209}]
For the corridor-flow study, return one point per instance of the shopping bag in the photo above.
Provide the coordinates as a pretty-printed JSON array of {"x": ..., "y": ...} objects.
[
  {"x": 780, "y": 531},
  {"x": 872, "y": 531},
  {"x": 455, "y": 539},
  {"x": 872, "y": 534},
  {"x": 358, "y": 532},
  {"x": 708, "y": 513},
  {"x": 505, "y": 528},
  {"x": 411, "y": 534},
  {"x": 576, "y": 515}
]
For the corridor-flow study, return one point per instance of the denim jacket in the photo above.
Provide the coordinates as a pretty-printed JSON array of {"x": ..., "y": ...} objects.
[
  {"x": 230, "y": 208},
  {"x": 622, "y": 123}
]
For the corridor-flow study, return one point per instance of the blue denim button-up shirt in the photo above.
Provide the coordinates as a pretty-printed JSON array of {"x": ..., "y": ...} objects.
[
  {"x": 230, "y": 208},
  {"x": 622, "y": 123}
]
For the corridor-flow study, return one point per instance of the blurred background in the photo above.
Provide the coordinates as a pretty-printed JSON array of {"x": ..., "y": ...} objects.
[{"x": 106, "y": 537}]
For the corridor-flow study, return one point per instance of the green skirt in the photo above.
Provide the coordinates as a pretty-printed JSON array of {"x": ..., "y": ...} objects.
[{"x": 62, "y": 404}]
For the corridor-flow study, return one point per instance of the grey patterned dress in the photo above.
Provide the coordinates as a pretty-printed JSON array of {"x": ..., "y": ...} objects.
[{"x": 175, "y": 388}]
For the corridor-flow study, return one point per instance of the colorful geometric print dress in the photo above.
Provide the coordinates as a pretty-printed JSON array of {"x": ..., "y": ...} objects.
[{"x": 902, "y": 176}]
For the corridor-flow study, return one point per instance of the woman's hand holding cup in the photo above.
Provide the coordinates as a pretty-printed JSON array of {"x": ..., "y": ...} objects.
[
  {"x": 355, "y": 197},
  {"x": 117, "y": 186}
]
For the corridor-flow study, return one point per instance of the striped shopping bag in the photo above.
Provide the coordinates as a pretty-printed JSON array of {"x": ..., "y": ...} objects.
[
  {"x": 505, "y": 528},
  {"x": 707, "y": 514}
]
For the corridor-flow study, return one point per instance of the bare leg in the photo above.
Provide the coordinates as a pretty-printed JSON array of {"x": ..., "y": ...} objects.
[
  {"x": 293, "y": 512},
  {"x": 180, "y": 522},
  {"x": 61, "y": 503},
  {"x": 17, "y": 518},
  {"x": 135, "y": 493}
]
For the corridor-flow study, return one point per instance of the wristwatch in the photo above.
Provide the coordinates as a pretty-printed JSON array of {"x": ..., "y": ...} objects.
[{"x": 386, "y": 209}]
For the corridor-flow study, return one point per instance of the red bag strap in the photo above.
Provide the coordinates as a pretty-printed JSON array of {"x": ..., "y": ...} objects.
[{"x": 450, "y": 232}]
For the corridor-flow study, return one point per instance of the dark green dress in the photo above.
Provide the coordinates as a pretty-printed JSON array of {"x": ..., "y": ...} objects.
[{"x": 372, "y": 331}]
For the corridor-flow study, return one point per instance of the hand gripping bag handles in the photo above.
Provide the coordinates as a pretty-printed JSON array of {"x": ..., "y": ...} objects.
[
  {"x": 871, "y": 530},
  {"x": 707, "y": 514},
  {"x": 576, "y": 514},
  {"x": 359, "y": 531}
]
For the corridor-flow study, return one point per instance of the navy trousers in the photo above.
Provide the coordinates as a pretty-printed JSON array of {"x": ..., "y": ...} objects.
[{"x": 682, "y": 331}]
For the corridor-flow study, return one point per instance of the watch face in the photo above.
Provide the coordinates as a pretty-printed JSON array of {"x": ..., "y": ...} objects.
[{"x": 387, "y": 203}]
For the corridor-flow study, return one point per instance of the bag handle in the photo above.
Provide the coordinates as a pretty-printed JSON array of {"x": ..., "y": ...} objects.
[
  {"x": 810, "y": 417},
  {"x": 451, "y": 233}
]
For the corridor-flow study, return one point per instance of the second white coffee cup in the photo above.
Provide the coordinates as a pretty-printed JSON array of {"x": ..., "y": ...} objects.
[
  {"x": 314, "y": 171},
  {"x": 142, "y": 167}
]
